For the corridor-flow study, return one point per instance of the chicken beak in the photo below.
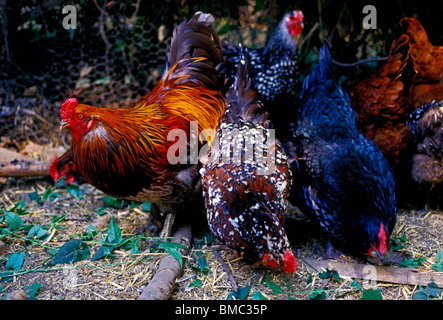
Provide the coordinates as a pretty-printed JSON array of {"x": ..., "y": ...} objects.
[{"x": 63, "y": 125}]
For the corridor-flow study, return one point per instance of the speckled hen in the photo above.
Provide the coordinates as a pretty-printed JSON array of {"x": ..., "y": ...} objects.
[
  {"x": 426, "y": 125},
  {"x": 246, "y": 179},
  {"x": 275, "y": 65}
]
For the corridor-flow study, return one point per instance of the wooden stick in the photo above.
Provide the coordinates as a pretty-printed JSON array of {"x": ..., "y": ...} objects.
[
  {"x": 226, "y": 269},
  {"x": 24, "y": 168},
  {"x": 161, "y": 285},
  {"x": 376, "y": 273}
]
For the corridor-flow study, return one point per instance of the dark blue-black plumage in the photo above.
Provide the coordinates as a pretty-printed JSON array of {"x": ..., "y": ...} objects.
[{"x": 341, "y": 178}]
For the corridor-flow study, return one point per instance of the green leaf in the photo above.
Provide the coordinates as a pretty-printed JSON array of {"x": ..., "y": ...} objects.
[
  {"x": 310, "y": 280},
  {"x": 114, "y": 233},
  {"x": 133, "y": 245},
  {"x": 329, "y": 274},
  {"x": 420, "y": 294},
  {"x": 71, "y": 252},
  {"x": 38, "y": 232},
  {"x": 355, "y": 284},
  {"x": 101, "y": 211},
  {"x": 91, "y": 232},
  {"x": 56, "y": 219},
  {"x": 399, "y": 242},
  {"x": 51, "y": 194},
  {"x": 257, "y": 295},
  {"x": 13, "y": 220},
  {"x": 33, "y": 195},
  {"x": 371, "y": 294},
  {"x": 200, "y": 262},
  {"x": 15, "y": 261},
  {"x": 273, "y": 286},
  {"x": 318, "y": 294},
  {"x": 438, "y": 265},
  {"x": 240, "y": 295},
  {"x": 146, "y": 206},
  {"x": 196, "y": 283},
  {"x": 75, "y": 191},
  {"x": 113, "y": 202},
  {"x": 413, "y": 262},
  {"x": 173, "y": 249},
  {"x": 20, "y": 208},
  {"x": 104, "y": 251},
  {"x": 32, "y": 290},
  {"x": 432, "y": 290}
]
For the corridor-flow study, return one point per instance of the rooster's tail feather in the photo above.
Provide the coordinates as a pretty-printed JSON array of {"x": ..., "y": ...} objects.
[{"x": 196, "y": 39}]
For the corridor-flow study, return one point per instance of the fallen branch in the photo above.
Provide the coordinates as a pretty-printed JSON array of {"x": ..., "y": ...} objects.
[
  {"x": 226, "y": 269},
  {"x": 378, "y": 273},
  {"x": 24, "y": 168},
  {"x": 160, "y": 286}
]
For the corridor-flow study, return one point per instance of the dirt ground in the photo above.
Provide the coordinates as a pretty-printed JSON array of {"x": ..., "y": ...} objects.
[{"x": 419, "y": 234}]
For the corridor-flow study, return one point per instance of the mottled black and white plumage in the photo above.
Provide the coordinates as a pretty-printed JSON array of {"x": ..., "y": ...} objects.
[
  {"x": 426, "y": 124},
  {"x": 274, "y": 66},
  {"x": 341, "y": 178},
  {"x": 246, "y": 179}
]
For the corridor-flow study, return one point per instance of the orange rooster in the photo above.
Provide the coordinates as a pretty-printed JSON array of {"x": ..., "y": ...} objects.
[
  {"x": 381, "y": 102},
  {"x": 428, "y": 59},
  {"x": 124, "y": 152}
]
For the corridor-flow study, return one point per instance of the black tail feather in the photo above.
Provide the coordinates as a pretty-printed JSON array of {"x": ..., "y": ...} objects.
[{"x": 242, "y": 99}]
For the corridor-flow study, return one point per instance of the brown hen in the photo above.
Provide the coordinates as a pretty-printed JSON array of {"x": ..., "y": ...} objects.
[
  {"x": 428, "y": 59},
  {"x": 381, "y": 102}
]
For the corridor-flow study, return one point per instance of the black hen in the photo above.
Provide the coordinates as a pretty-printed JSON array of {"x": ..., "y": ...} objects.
[
  {"x": 275, "y": 65},
  {"x": 246, "y": 179},
  {"x": 340, "y": 176}
]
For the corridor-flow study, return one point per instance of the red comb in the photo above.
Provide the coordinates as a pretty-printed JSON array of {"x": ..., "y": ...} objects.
[
  {"x": 290, "y": 264},
  {"x": 298, "y": 15},
  {"x": 383, "y": 240},
  {"x": 270, "y": 262},
  {"x": 67, "y": 108}
]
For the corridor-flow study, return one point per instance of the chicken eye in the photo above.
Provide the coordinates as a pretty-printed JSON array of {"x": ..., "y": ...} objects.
[{"x": 80, "y": 116}]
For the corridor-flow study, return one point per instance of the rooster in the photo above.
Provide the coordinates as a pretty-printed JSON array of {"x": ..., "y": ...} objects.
[
  {"x": 341, "y": 178},
  {"x": 127, "y": 152},
  {"x": 245, "y": 202},
  {"x": 428, "y": 84},
  {"x": 275, "y": 65},
  {"x": 426, "y": 125},
  {"x": 381, "y": 102}
]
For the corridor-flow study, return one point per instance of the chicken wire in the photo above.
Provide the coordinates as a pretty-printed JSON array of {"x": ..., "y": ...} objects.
[{"x": 115, "y": 56}]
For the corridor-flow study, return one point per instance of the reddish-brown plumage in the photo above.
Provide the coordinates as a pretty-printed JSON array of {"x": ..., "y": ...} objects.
[
  {"x": 428, "y": 60},
  {"x": 124, "y": 152},
  {"x": 381, "y": 102}
]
